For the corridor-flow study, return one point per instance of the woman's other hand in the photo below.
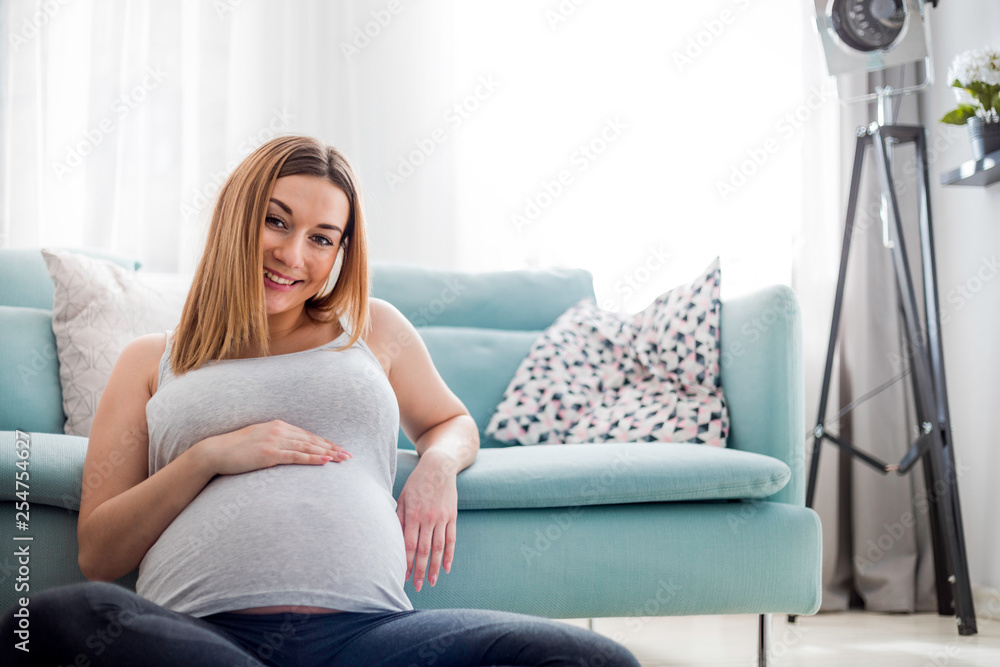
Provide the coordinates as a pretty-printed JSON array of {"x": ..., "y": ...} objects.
[
  {"x": 265, "y": 445},
  {"x": 427, "y": 509}
]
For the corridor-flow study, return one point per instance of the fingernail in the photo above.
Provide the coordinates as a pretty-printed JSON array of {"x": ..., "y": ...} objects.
[
  {"x": 417, "y": 585},
  {"x": 327, "y": 458},
  {"x": 433, "y": 579},
  {"x": 447, "y": 567}
]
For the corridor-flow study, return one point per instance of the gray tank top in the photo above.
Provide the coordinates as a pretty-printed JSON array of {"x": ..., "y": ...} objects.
[{"x": 318, "y": 535}]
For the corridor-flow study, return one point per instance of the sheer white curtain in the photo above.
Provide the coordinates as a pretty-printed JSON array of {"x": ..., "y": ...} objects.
[
  {"x": 121, "y": 118},
  {"x": 637, "y": 139}
]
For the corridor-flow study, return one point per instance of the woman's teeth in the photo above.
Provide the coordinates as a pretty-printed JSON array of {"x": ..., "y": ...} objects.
[{"x": 280, "y": 281}]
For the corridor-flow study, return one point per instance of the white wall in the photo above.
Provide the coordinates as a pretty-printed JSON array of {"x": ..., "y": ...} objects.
[{"x": 967, "y": 244}]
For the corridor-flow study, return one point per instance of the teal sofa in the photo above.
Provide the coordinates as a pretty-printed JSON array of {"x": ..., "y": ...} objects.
[{"x": 562, "y": 531}]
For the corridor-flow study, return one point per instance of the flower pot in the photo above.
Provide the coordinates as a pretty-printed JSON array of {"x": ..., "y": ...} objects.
[{"x": 985, "y": 137}]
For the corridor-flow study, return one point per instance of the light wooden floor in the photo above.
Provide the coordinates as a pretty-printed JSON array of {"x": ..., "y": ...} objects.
[{"x": 858, "y": 639}]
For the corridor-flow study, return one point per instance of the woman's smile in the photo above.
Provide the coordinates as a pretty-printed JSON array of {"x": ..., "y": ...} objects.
[{"x": 278, "y": 281}]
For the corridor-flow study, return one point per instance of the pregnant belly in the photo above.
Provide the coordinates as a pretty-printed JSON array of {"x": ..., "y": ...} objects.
[{"x": 296, "y": 540}]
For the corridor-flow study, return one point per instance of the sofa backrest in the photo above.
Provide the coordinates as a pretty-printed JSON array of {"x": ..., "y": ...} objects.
[
  {"x": 478, "y": 327},
  {"x": 24, "y": 278}
]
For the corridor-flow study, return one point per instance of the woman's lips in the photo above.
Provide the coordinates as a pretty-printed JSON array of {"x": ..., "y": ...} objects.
[
  {"x": 279, "y": 274},
  {"x": 278, "y": 286}
]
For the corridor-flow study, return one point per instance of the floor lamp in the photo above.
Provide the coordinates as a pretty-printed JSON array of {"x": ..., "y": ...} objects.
[{"x": 877, "y": 32}]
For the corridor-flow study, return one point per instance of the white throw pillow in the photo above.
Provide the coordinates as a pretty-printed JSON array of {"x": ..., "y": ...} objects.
[
  {"x": 98, "y": 308},
  {"x": 597, "y": 376}
]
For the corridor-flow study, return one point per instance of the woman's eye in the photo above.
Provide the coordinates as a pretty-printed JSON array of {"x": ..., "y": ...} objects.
[{"x": 275, "y": 221}]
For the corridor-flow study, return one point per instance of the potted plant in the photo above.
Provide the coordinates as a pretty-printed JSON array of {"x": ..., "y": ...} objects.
[{"x": 975, "y": 75}]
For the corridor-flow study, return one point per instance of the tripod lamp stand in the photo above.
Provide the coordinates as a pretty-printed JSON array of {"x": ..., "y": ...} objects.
[{"x": 874, "y": 34}]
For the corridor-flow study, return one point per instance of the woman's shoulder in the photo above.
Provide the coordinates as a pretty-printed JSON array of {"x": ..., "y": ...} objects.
[
  {"x": 386, "y": 322},
  {"x": 390, "y": 332},
  {"x": 143, "y": 355}
]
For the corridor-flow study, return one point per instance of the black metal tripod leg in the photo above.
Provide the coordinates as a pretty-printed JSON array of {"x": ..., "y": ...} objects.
[
  {"x": 919, "y": 363},
  {"x": 852, "y": 205},
  {"x": 928, "y": 501},
  {"x": 965, "y": 610},
  {"x": 945, "y": 495},
  {"x": 927, "y": 444},
  {"x": 945, "y": 599},
  {"x": 934, "y": 450},
  {"x": 964, "y": 604}
]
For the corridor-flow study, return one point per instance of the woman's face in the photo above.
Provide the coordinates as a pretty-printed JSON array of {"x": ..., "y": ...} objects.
[{"x": 304, "y": 225}]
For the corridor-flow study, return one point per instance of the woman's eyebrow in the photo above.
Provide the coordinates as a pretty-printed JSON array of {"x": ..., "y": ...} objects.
[
  {"x": 283, "y": 206},
  {"x": 288, "y": 210}
]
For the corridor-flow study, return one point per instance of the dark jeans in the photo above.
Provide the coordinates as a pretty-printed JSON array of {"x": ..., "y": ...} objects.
[{"x": 98, "y": 623}]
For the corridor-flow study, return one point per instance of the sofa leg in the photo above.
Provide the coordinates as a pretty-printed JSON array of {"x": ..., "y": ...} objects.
[
  {"x": 763, "y": 640},
  {"x": 590, "y": 623}
]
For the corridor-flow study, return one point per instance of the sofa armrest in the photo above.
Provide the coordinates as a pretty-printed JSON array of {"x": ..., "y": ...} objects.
[
  {"x": 762, "y": 377},
  {"x": 54, "y": 466}
]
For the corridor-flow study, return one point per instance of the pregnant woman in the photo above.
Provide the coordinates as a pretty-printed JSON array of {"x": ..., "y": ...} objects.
[{"x": 247, "y": 461}]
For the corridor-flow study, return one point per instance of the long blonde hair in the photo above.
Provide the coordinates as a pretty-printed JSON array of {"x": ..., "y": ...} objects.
[{"x": 225, "y": 312}]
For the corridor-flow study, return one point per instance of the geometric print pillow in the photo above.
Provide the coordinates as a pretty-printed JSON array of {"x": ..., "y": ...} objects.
[
  {"x": 598, "y": 376},
  {"x": 98, "y": 308}
]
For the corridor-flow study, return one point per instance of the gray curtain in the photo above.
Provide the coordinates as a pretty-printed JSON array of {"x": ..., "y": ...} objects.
[{"x": 877, "y": 546}]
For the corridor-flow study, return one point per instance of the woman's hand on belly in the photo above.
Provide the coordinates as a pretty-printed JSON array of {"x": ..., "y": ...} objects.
[{"x": 265, "y": 445}]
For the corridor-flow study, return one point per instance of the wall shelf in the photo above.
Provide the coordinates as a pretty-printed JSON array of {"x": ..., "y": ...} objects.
[{"x": 975, "y": 172}]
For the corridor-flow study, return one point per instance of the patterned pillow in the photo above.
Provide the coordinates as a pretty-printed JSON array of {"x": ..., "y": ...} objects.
[
  {"x": 595, "y": 376},
  {"x": 98, "y": 308}
]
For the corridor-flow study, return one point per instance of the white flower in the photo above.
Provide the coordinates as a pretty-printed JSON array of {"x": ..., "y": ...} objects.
[
  {"x": 979, "y": 69},
  {"x": 972, "y": 66}
]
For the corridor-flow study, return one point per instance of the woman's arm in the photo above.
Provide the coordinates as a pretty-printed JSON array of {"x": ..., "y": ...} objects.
[
  {"x": 443, "y": 433},
  {"x": 425, "y": 402}
]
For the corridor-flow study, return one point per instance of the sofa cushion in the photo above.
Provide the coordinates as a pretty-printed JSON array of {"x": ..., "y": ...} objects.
[
  {"x": 98, "y": 308},
  {"x": 607, "y": 474},
  {"x": 599, "y": 376},
  {"x": 30, "y": 395}
]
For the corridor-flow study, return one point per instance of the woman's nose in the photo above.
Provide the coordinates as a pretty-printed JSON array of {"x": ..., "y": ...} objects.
[{"x": 289, "y": 252}]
